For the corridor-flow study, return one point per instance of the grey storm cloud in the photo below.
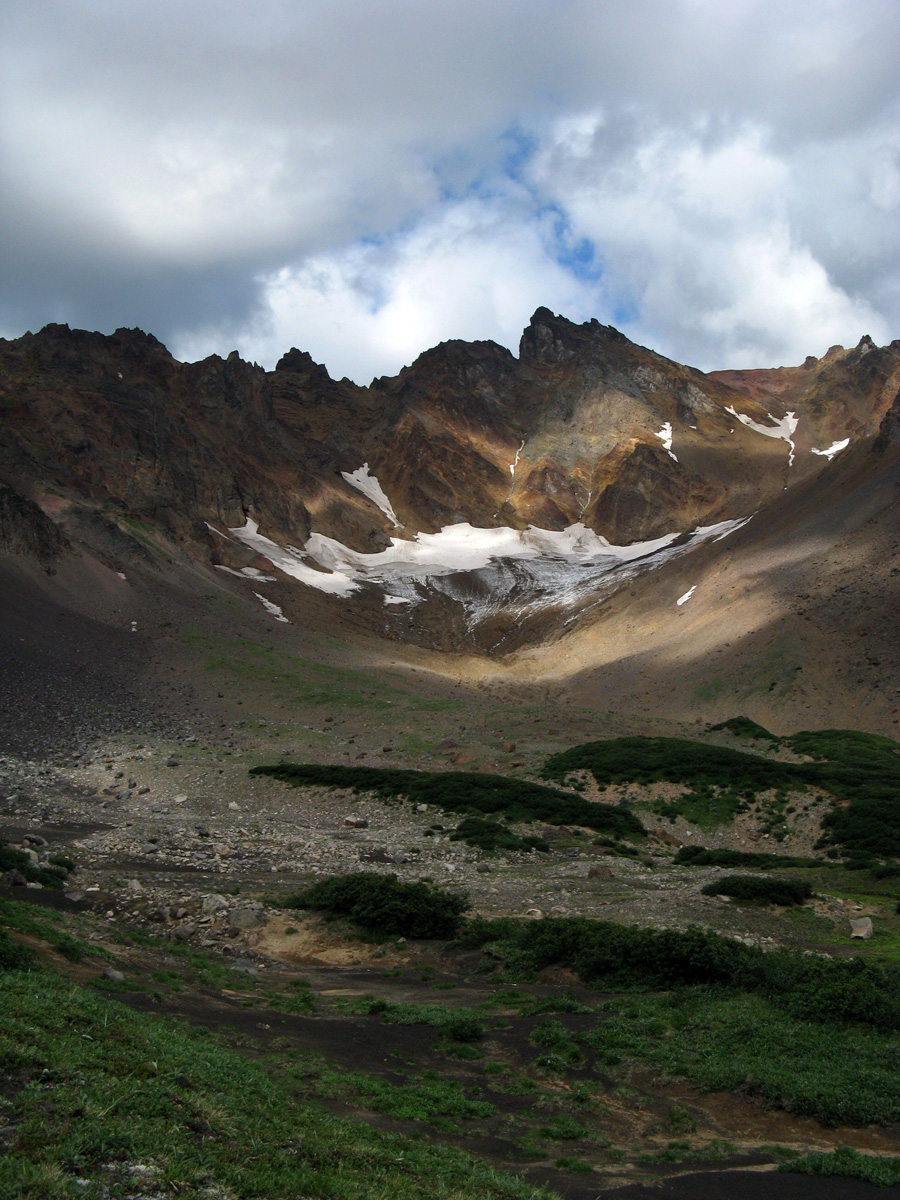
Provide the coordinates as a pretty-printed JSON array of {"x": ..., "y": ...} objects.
[{"x": 364, "y": 179}]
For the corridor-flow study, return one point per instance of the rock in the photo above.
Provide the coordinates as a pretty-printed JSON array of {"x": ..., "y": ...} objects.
[
  {"x": 13, "y": 878},
  {"x": 533, "y": 914},
  {"x": 599, "y": 873},
  {"x": 247, "y": 918},
  {"x": 142, "y": 791},
  {"x": 34, "y": 839},
  {"x": 34, "y": 885},
  {"x": 214, "y": 903},
  {"x": 244, "y": 966},
  {"x": 558, "y": 911},
  {"x": 179, "y": 799},
  {"x": 74, "y": 897},
  {"x": 202, "y": 831},
  {"x": 135, "y": 886},
  {"x": 184, "y": 932},
  {"x": 172, "y": 761},
  {"x": 508, "y": 747},
  {"x": 421, "y": 808},
  {"x": 149, "y": 848},
  {"x": 114, "y": 975},
  {"x": 234, "y": 806},
  {"x": 483, "y": 868},
  {"x": 861, "y": 927},
  {"x": 399, "y": 858},
  {"x": 356, "y": 822}
]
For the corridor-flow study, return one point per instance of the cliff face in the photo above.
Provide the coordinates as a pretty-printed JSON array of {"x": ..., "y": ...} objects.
[{"x": 583, "y": 427}]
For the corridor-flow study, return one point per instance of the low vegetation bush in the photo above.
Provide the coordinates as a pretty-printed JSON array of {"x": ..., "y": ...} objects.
[
  {"x": 17, "y": 860},
  {"x": 743, "y": 727},
  {"x": 700, "y": 856},
  {"x": 491, "y": 836},
  {"x": 860, "y": 770},
  {"x": 465, "y": 792},
  {"x": 614, "y": 956},
  {"x": 755, "y": 889},
  {"x": 384, "y": 905}
]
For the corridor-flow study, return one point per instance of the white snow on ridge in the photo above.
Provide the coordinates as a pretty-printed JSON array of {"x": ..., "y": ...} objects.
[
  {"x": 687, "y": 595},
  {"x": 833, "y": 449},
  {"x": 665, "y": 436},
  {"x": 783, "y": 429},
  {"x": 366, "y": 483}
]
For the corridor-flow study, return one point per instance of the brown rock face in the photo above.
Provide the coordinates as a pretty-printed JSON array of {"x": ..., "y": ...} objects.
[{"x": 583, "y": 426}]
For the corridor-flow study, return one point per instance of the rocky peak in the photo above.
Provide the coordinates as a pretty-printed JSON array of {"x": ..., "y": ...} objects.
[{"x": 550, "y": 339}]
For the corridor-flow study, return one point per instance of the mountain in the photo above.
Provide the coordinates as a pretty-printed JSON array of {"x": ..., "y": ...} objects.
[{"x": 536, "y": 506}]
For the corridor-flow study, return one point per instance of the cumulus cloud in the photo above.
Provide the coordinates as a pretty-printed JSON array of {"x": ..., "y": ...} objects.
[{"x": 364, "y": 179}]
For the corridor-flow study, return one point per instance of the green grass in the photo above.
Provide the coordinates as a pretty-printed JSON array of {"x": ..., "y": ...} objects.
[
  {"x": 429, "y": 1098},
  {"x": 747, "y": 1044},
  {"x": 466, "y": 792},
  {"x": 19, "y": 916},
  {"x": 301, "y": 681},
  {"x": 851, "y": 1164},
  {"x": 98, "y": 1089}
]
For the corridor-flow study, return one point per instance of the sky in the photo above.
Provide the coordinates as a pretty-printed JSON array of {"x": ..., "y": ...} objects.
[{"x": 719, "y": 179}]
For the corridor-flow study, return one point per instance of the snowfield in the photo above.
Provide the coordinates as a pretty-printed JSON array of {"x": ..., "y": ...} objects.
[{"x": 488, "y": 571}]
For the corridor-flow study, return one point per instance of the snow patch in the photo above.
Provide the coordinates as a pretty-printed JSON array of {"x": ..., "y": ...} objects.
[
  {"x": 665, "y": 436},
  {"x": 248, "y": 573},
  {"x": 272, "y": 608},
  {"x": 833, "y": 449},
  {"x": 366, "y": 483},
  {"x": 290, "y": 560},
  {"x": 687, "y": 595},
  {"x": 487, "y": 571},
  {"x": 784, "y": 429}
]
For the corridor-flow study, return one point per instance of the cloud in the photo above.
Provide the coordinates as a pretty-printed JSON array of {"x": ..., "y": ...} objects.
[
  {"x": 722, "y": 180},
  {"x": 475, "y": 270}
]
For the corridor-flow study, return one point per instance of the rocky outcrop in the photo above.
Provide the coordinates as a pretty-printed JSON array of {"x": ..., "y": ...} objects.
[
  {"x": 583, "y": 426},
  {"x": 25, "y": 530}
]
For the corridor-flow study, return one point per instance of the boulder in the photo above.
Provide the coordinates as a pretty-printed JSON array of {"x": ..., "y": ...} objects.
[
  {"x": 599, "y": 873},
  {"x": 861, "y": 927},
  {"x": 247, "y": 918}
]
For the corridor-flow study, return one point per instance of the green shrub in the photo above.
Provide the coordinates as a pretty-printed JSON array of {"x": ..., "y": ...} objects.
[
  {"x": 860, "y": 770},
  {"x": 18, "y": 860},
  {"x": 491, "y": 836},
  {"x": 754, "y": 889},
  {"x": 465, "y": 792},
  {"x": 620, "y": 956},
  {"x": 385, "y": 906},
  {"x": 700, "y": 856},
  {"x": 743, "y": 727}
]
